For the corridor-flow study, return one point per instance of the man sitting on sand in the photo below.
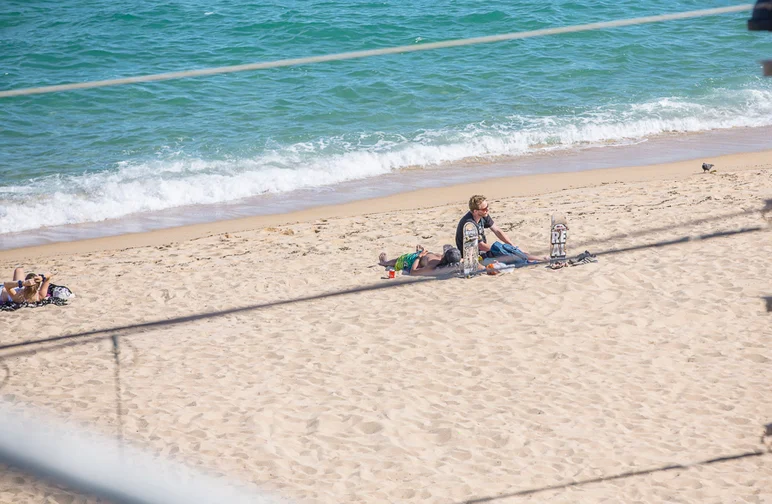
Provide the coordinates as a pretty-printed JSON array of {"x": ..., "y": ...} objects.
[
  {"x": 422, "y": 262},
  {"x": 506, "y": 252}
]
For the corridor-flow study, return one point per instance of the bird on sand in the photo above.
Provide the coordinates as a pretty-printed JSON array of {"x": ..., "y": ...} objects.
[{"x": 707, "y": 167}]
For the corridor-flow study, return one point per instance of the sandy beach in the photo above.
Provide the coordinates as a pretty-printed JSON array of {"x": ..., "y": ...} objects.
[{"x": 534, "y": 386}]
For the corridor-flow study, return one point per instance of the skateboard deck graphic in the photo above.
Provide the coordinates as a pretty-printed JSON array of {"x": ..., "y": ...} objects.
[
  {"x": 558, "y": 238},
  {"x": 470, "y": 252}
]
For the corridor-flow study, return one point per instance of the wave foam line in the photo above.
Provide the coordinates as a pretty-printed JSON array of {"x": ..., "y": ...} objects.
[{"x": 136, "y": 187}]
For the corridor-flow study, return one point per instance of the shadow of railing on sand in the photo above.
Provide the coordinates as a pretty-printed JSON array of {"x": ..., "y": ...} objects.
[
  {"x": 643, "y": 232},
  {"x": 628, "y": 474}
]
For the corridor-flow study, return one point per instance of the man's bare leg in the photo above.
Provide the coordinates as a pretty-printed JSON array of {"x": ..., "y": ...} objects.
[{"x": 383, "y": 262}]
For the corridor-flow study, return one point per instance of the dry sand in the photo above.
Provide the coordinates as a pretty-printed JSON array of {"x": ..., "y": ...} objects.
[{"x": 494, "y": 389}]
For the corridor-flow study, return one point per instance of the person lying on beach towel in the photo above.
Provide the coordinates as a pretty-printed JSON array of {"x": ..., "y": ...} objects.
[
  {"x": 33, "y": 289},
  {"x": 421, "y": 262}
]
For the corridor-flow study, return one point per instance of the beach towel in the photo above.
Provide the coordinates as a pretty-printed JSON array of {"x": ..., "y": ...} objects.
[{"x": 47, "y": 301}]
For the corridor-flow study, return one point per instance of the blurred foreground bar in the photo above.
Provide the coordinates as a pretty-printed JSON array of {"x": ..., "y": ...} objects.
[{"x": 761, "y": 19}]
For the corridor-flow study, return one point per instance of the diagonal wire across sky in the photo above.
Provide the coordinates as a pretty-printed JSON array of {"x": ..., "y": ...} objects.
[{"x": 376, "y": 52}]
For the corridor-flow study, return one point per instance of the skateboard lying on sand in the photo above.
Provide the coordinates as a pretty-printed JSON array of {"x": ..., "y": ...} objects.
[{"x": 470, "y": 252}]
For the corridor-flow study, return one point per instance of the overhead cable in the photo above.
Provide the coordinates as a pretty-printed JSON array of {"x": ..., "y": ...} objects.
[{"x": 375, "y": 52}]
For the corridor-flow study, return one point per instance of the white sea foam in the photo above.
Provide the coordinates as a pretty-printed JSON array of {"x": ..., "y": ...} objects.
[{"x": 175, "y": 181}]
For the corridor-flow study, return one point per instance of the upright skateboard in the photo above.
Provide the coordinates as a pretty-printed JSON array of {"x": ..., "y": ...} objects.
[
  {"x": 558, "y": 237},
  {"x": 470, "y": 252}
]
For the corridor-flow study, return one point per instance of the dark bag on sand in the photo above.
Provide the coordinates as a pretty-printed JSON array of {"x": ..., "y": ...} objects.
[{"x": 60, "y": 292}]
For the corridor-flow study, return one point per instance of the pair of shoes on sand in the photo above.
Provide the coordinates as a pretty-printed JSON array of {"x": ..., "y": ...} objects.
[{"x": 583, "y": 258}]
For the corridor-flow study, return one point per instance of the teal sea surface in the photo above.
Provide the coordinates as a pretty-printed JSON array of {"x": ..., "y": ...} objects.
[{"x": 191, "y": 149}]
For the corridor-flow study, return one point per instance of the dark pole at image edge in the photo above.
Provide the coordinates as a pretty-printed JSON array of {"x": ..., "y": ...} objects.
[{"x": 761, "y": 20}]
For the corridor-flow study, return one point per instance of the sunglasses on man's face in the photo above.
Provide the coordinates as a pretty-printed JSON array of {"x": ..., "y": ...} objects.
[{"x": 483, "y": 209}]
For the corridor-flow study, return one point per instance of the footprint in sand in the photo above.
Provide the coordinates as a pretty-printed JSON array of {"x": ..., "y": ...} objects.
[
  {"x": 442, "y": 435},
  {"x": 370, "y": 427}
]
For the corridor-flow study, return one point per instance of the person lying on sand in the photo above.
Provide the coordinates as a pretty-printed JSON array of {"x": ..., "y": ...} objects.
[
  {"x": 421, "y": 262},
  {"x": 32, "y": 289}
]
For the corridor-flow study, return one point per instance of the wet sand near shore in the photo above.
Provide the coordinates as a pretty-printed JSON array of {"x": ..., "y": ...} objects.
[{"x": 664, "y": 150}]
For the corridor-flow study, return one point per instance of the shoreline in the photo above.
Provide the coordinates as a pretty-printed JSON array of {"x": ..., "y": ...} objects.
[
  {"x": 493, "y": 188},
  {"x": 659, "y": 149}
]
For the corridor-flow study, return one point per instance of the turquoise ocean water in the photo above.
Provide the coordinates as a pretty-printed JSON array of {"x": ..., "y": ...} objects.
[{"x": 131, "y": 158}]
